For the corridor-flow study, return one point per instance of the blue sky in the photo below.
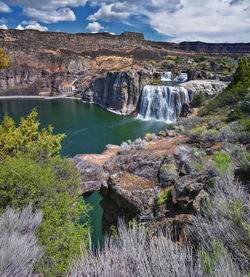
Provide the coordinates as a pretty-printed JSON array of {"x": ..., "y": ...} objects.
[{"x": 164, "y": 20}]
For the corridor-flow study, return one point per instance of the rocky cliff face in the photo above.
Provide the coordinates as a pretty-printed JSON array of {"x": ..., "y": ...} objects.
[
  {"x": 54, "y": 58},
  {"x": 207, "y": 87},
  {"x": 118, "y": 91}
]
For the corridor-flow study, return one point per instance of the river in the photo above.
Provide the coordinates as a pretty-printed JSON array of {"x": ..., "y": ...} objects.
[{"x": 88, "y": 129}]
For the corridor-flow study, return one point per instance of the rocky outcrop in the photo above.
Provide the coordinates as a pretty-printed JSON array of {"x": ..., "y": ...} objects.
[
  {"x": 194, "y": 74},
  {"x": 207, "y": 87},
  {"x": 155, "y": 184},
  {"x": 90, "y": 167},
  {"x": 118, "y": 91}
]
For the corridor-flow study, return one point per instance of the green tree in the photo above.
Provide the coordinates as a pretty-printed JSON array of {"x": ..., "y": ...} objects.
[
  {"x": 4, "y": 60},
  {"x": 242, "y": 72},
  {"x": 31, "y": 171}
]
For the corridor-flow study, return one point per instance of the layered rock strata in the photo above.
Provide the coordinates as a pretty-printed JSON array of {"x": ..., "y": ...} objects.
[{"x": 118, "y": 91}]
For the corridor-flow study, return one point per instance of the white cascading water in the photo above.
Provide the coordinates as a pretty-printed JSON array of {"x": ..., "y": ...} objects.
[
  {"x": 162, "y": 102},
  {"x": 182, "y": 78},
  {"x": 167, "y": 76}
]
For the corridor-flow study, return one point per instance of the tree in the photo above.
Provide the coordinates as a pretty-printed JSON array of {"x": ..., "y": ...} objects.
[
  {"x": 4, "y": 60},
  {"x": 32, "y": 172},
  {"x": 242, "y": 72}
]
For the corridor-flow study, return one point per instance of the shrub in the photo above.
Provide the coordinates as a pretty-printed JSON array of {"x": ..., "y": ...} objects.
[
  {"x": 198, "y": 100},
  {"x": 139, "y": 144},
  {"x": 156, "y": 81},
  {"x": 32, "y": 172},
  {"x": 164, "y": 196},
  {"x": 124, "y": 148},
  {"x": 19, "y": 250},
  {"x": 136, "y": 253},
  {"x": 150, "y": 137},
  {"x": 4, "y": 60},
  {"x": 188, "y": 158},
  {"x": 225, "y": 219},
  {"x": 222, "y": 161},
  {"x": 245, "y": 104},
  {"x": 27, "y": 138}
]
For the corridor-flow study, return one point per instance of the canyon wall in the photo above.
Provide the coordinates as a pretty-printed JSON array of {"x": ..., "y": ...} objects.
[
  {"x": 109, "y": 70},
  {"x": 118, "y": 91}
]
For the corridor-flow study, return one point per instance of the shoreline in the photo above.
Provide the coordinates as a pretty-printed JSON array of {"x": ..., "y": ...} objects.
[{"x": 39, "y": 97}]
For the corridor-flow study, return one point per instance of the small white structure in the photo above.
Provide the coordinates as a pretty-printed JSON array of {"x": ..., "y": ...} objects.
[{"x": 69, "y": 89}]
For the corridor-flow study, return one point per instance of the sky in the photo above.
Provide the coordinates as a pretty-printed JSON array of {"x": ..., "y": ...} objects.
[{"x": 159, "y": 20}]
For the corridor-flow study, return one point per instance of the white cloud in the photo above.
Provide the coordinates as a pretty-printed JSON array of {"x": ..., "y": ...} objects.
[
  {"x": 46, "y": 4},
  {"x": 31, "y": 25},
  {"x": 36, "y": 26},
  {"x": 94, "y": 27},
  {"x": 211, "y": 21},
  {"x": 4, "y": 26},
  {"x": 19, "y": 27},
  {"x": 48, "y": 11},
  {"x": 107, "y": 13},
  {"x": 50, "y": 16},
  {"x": 4, "y": 8}
]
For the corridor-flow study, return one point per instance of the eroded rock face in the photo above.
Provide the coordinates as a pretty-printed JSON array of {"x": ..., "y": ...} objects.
[
  {"x": 194, "y": 74},
  {"x": 118, "y": 91},
  {"x": 149, "y": 184},
  {"x": 207, "y": 87}
]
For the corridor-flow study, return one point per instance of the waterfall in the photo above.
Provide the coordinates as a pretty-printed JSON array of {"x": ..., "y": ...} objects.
[
  {"x": 167, "y": 76},
  {"x": 182, "y": 78},
  {"x": 162, "y": 102}
]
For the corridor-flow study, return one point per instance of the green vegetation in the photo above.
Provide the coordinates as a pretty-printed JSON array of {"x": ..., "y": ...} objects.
[
  {"x": 200, "y": 58},
  {"x": 234, "y": 93},
  {"x": 222, "y": 161},
  {"x": 198, "y": 100},
  {"x": 164, "y": 196},
  {"x": 4, "y": 60},
  {"x": 32, "y": 172},
  {"x": 215, "y": 258},
  {"x": 156, "y": 81}
]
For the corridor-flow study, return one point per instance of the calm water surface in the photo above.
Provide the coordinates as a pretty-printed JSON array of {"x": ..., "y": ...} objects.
[{"x": 88, "y": 129}]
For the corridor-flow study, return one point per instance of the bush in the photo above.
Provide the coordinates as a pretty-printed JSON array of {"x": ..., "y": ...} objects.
[
  {"x": 124, "y": 148},
  {"x": 19, "y": 250},
  {"x": 223, "y": 162},
  {"x": 4, "y": 60},
  {"x": 245, "y": 104},
  {"x": 224, "y": 220},
  {"x": 138, "y": 144},
  {"x": 136, "y": 253},
  {"x": 32, "y": 172}
]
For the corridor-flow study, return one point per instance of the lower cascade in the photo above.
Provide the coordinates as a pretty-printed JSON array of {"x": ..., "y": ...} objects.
[{"x": 162, "y": 102}]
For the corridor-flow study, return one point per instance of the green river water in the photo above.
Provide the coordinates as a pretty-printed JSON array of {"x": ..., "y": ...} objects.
[{"x": 88, "y": 129}]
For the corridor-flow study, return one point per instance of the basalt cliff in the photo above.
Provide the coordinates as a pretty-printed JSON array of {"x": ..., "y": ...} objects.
[{"x": 56, "y": 57}]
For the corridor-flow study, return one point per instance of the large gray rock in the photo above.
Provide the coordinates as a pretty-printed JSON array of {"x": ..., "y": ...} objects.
[
  {"x": 118, "y": 91},
  {"x": 207, "y": 87}
]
